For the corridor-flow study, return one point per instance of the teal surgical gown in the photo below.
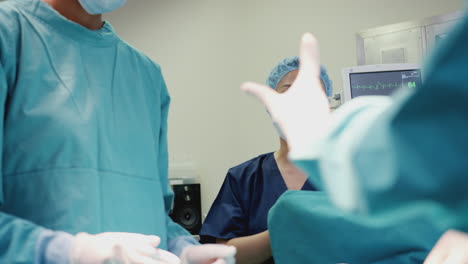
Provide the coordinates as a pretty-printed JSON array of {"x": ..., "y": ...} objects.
[
  {"x": 83, "y": 132},
  {"x": 401, "y": 165}
]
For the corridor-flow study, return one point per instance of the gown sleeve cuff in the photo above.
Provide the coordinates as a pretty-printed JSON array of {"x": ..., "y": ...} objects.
[
  {"x": 53, "y": 247},
  {"x": 311, "y": 147},
  {"x": 178, "y": 244}
]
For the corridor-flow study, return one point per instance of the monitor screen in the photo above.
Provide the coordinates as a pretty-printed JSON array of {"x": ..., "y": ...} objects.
[{"x": 383, "y": 82}]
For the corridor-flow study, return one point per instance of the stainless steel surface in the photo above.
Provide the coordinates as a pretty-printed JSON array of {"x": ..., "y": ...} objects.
[
  {"x": 438, "y": 32},
  {"x": 406, "y": 42},
  {"x": 410, "y": 24}
]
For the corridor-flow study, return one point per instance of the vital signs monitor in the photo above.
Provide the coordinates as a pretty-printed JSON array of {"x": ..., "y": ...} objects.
[{"x": 381, "y": 79}]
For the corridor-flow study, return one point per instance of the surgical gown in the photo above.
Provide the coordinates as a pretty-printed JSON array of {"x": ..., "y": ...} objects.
[
  {"x": 401, "y": 165},
  {"x": 84, "y": 123},
  {"x": 247, "y": 194}
]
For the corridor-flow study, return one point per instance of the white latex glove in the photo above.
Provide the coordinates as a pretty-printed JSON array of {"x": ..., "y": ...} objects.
[
  {"x": 115, "y": 248},
  {"x": 303, "y": 111},
  {"x": 209, "y": 254},
  {"x": 452, "y": 248}
]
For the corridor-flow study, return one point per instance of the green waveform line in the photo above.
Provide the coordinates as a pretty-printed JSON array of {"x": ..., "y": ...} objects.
[{"x": 377, "y": 86}]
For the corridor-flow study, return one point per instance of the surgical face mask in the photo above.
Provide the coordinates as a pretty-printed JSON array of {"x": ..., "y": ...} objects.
[
  {"x": 95, "y": 7},
  {"x": 278, "y": 129}
]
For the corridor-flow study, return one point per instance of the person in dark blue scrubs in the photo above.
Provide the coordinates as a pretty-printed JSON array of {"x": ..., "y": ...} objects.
[{"x": 239, "y": 214}]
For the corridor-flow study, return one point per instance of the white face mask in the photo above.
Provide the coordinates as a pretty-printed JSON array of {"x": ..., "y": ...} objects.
[
  {"x": 95, "y": 7},
  {"x": 278, "y": 129}
]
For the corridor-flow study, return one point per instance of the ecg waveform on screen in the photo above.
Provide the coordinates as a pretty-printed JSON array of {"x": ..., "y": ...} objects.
[{"x": 376, "y": 86}]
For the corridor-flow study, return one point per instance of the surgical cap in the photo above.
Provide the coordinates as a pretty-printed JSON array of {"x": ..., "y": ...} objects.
[{"x": 290, "y": 64}]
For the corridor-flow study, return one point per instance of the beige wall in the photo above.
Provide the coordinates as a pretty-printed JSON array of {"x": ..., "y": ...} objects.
[{"x": 208, "y": 47}]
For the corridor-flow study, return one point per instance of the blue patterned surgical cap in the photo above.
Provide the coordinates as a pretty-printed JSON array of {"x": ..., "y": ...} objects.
[{"x": 290, "y": 64}]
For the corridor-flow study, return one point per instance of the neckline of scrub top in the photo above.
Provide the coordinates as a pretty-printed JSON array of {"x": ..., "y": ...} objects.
[
  {"x": 103, "y": 36},
  {"x": 307, "y": 185}
]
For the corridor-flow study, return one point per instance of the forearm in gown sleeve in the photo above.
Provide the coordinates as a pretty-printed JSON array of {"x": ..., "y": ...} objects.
[
  {"x": 17, "y": 236},
  {"x": 177, "y": 237},
  {"x": 330, "y": 167},
  {"x": 410, "y": 155}
]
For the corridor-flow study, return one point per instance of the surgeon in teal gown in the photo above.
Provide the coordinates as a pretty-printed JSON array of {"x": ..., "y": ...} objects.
[
  {"x": 84, "y": 137},
  {"x": 394, "y": 169}
]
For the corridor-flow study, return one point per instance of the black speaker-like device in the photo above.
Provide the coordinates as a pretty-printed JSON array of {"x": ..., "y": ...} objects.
[{"x": 187, "y": 207}]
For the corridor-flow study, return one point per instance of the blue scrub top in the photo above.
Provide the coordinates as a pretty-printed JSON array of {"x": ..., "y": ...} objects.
[{"x": 247, "y": 194}]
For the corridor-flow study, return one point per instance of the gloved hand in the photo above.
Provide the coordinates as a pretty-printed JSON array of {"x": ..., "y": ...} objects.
[
  {"x": 209, "y": 254},
  {"x": 121, "y": 248},
  {"x": 452, "y": 248},
  {"x": 303, "y": 111}
]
